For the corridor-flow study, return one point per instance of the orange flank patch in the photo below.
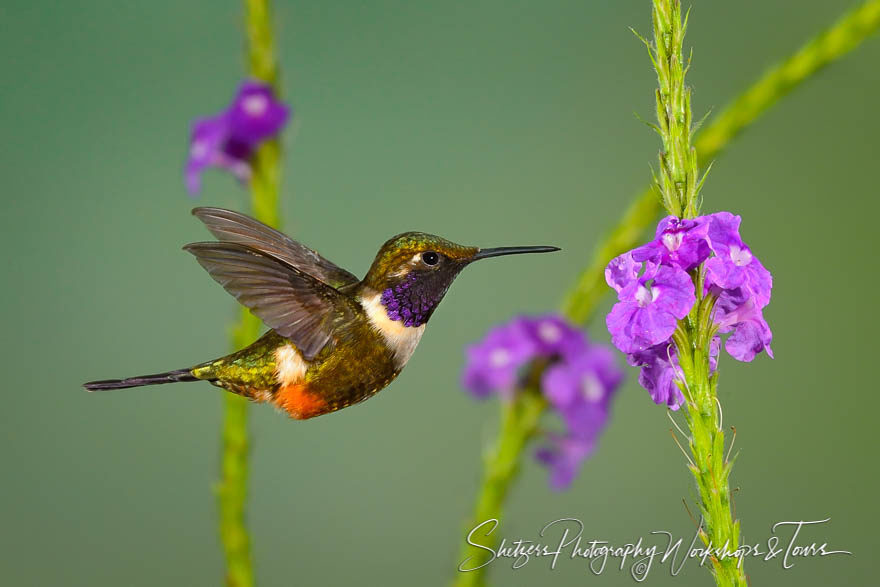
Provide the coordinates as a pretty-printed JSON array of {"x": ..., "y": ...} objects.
[{"x": 299, "y": 402}]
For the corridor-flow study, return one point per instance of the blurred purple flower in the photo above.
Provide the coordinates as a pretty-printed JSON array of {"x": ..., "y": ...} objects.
[
  {"x": 563, "y": 456},
  {"x": 586, "y": 379},
  {"x": 579, "y": 382},
  {"x": 229, "y": 139},
  {"x": 493, "y": 364},
  {"x": 580, "y": 389},
  {"x": 553, "y": 336}
]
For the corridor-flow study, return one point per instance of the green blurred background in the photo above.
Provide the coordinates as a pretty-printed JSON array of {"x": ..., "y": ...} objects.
[{"x": 489, "y": 122}]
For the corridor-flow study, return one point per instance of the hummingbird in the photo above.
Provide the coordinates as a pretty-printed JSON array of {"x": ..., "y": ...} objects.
[{"x": 333, "y": 340}]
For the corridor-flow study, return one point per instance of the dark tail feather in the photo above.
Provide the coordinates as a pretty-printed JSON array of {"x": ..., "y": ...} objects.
[{"x": 169, "y": 377}]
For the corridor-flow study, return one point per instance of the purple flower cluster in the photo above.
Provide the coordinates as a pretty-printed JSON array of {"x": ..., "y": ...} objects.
[
  {"x": 654, "y": 291},
  {"x": 229, "y": 139},
  {"x": 578, "y": 384}
]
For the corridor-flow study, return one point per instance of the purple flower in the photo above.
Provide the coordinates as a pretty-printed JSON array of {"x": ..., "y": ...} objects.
[
  {"x": 255, "y": 115},
  {"x": 733, "y": 265},
  {"x": 622, "y": 271},
  {"x": 659, "y": 372},
  {"x": 750, "y": 338},
  {"x": 738, "y": 311},
  {"x": 678, "y": 243},
  {"x": 586, "y": 379},
  {"x": 649, "y": 308},
  {"x": 553, "y": 336},
  {"x": 580, "y": 390},
  {"x": 742, "y": 286},
  {"x": 579, "y": 382},
  {"x": 642, "y": 322},
  {"x": 493, "y": 364},
  {"x": 563, "y": 456},
  {"x": 228, "y": 139}
]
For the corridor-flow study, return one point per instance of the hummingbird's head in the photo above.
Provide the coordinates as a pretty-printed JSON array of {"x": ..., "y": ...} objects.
[{"x": 412, "y": 272}]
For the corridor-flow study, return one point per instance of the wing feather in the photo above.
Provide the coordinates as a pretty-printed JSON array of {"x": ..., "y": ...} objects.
[
  {"x": 294, "y": 304},
  {"x": 230, "y": 226}
]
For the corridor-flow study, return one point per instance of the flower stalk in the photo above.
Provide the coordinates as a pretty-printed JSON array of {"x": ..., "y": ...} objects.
[
  {"x": 678, "y": 159},
  {"x": 582, "y": 300},
  {"x": 678, "y": 185},
  {"x": 264, "y": 182},
  {"x": 519, "y": 423}
]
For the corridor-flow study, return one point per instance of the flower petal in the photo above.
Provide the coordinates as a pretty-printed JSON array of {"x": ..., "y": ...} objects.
[
  {"x": 559, "y": 386},
  {"x": 750, "y": 338},
  {"x": 228, "y": 139},
  {"x": 206, "y": 138},
  {"x": 552, "y": 335},
  {"x": 564, "y": 457},
  {"x": 493, "y": 364},
  {"x": 658, "y": 374},
  {"x": 760, "y": 282},
  {"x": 724, "y": 274},
  {"x": 622, "y": 271},
  {"x": 723, "y": 232},
  {"x": 675, "y": 292},
  {"x": 255, "y": 115}
]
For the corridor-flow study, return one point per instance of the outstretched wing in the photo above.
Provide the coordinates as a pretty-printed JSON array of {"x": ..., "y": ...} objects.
[
  {"x": 295, "y": 305},
  {"x": 233, "y": 227}
]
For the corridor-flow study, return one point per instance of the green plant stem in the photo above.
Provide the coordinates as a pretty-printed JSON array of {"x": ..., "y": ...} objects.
[
  {"x": 519, "y": 422},
  {"x": 710, "y": 466},
  {"x": 260, "y": 47},
  {"x": 585, "y": 296},
  {"x": 265, "y": 180},
  {"x": 847, "y": 33}
]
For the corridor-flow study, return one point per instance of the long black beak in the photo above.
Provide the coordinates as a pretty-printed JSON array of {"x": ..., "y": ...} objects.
[{"x": 499, "y": 251}]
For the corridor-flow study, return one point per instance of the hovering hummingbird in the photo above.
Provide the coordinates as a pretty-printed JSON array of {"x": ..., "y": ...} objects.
[{"x": 333, "y": 340}]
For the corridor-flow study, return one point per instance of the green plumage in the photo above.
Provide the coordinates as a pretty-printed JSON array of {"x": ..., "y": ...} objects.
[
  {"x": 251, "y": 368},
  {"x": 354, "y": 367}
]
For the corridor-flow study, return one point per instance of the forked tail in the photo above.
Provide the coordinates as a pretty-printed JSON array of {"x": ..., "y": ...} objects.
[{"x": 157, "y": 379}]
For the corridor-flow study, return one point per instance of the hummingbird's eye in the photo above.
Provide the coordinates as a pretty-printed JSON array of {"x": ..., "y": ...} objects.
[{"x": 430, "y": 258}]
